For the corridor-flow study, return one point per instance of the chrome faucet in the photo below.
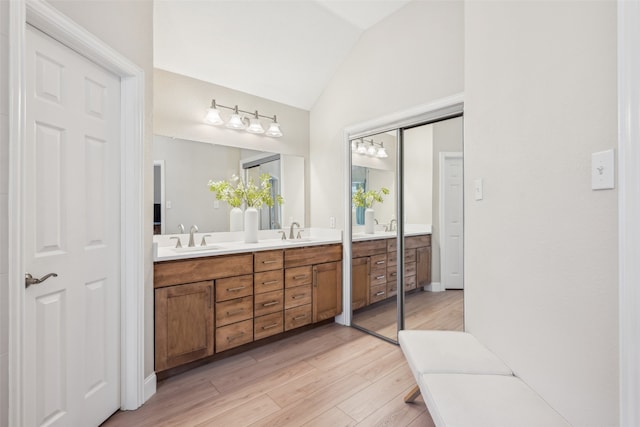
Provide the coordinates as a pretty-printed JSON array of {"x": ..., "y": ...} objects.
[
  {"x": 291, "y": 236},
  {"x": 194, "y": 229},
  {"x": 181, "y": 228},
  {"x": 391, "y": 227}
]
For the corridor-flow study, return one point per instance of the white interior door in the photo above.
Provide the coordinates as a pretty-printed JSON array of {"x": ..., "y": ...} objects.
[
  {"x": 451, "y": 225},
  {"x": 72, "y": 228}
]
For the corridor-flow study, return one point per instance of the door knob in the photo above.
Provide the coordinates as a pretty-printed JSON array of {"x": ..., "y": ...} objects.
[{"x": 30, "y": 280}]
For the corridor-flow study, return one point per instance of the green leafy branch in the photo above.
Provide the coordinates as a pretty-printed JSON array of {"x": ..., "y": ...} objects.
[
  {"x": 366, "y": 199},
  {"x": 236, "y": 191}
]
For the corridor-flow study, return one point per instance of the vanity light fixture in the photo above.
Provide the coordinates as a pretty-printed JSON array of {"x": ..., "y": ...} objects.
[
  {"x": 240, "y": 121},
  {"x": 369, "y": 147}
]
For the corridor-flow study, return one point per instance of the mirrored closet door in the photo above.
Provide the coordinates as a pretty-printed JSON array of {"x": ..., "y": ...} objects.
[{"x": 401, "y": 279}]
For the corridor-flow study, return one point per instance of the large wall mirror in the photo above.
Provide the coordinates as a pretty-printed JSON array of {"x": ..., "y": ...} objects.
[
  {"x": 408, "y": 275},
  {"x": 182, "y": 170}
]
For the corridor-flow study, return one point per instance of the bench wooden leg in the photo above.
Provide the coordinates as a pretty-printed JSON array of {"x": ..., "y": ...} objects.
[{"x": 413, "y": 394}]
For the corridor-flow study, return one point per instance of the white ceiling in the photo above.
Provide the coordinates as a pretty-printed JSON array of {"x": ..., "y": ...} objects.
[{"x": 286, "y": 51}]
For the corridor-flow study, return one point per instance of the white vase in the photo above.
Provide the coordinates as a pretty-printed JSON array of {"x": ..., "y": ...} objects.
[
  {"x": 369, "y": 221},
  {"x": 251, "y": 225},
  {"x": 235, "y": 219}
]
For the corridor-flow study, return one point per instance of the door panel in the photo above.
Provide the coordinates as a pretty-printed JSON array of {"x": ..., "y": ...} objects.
[
  {"x": 452, "y": 245},
  {"x": 72, "y": 228}
]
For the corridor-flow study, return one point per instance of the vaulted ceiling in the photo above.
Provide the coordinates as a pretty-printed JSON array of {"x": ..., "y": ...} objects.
[{"x": 283, "y": 50}]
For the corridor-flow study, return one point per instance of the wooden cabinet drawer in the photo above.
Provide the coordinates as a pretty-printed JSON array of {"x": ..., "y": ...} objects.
[
  {"x": 297, "y": 276},
  {"x": 265, "y": 326},
  {"x": 392, "y": 245},
  {"x": 234, "y": 287},
  {"x": 392, "y": 258},
  {"x": 267, "y": 281},
  {"x": 300, "y": 295},
  {"x": 234, "y": 310},
  {"x": 269, "y": 302},
  {"x": 392, "y": 289},
  {"x": 234, "y": 335},
  {"x": 297, "y": 317},
  {"x": 417, "y": 241},
  {"x": 267, "y": 260},
  {"x": 409, "y": 283},
  {"x": 297, "y": 257},
  {"x": 378, "y": 261},
  {"x": 378, "y": 293},
  {"x": 410, "y": 269},
  {"x": 368, "y": 248},
  {"x": 378, "y": 276},
  {"x": 409, "y": 255},
  {"x": 169, "y": 273},
  {"x": 392, "y": 273}
]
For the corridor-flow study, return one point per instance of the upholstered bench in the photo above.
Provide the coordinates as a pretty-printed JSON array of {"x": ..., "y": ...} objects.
[{"x": 464, "y": 384}]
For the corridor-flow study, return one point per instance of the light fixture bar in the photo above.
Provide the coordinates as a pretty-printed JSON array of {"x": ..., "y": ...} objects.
[{"x": 237, "y": 110}]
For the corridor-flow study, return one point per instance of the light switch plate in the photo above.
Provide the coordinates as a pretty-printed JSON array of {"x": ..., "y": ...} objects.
[
  {"x": 603, "y": 170},
  {"x": 478, "y": 189}
]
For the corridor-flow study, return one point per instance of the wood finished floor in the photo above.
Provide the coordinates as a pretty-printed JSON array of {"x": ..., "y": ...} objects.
[
  {"x": 423, "y": 310},
  {"x": 330, "y": 376}
]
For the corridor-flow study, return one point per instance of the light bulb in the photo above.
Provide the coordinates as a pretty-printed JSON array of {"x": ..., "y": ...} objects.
[
  {"x": 235, "y": 122},
  {"x": 361, "y": 148},
  {"x": 274, "y": 130},
  {"x": 255, "y": 126},
  {"x": 213, "y": 117},
  {"x": 372, "y": 150},
  {"x": 382, "y": 153}
]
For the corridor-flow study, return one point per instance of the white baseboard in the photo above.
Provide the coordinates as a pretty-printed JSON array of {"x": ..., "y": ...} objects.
[
  {"x": 150, "y": 384},
  {"x": 434, "y": 287}
]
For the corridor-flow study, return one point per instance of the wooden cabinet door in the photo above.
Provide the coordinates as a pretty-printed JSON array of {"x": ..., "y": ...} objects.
[
  {"x": 423, "y": 265},
  {"x": 327, "y": 290},
  {"x": 360, "y": 282},
  {"x": 184, "y": 324}
]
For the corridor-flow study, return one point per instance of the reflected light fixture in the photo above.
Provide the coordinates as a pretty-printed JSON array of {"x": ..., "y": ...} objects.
[
  {"x": 369, "y": 147},
  {"x": 240, "y": 121}
]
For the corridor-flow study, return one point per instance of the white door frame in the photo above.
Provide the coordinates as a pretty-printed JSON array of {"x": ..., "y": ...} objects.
[
  {"x": 55, "y": 24},
  {"x": 629, "y": 209},
  {"x": 444, "y": 155}
]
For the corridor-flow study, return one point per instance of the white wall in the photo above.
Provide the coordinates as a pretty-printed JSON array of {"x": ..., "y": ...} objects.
[
  {"x": 447, "y": 137},
  {"x": 180, "y": 104},
  {"x": 418, "y": 175},
  {"x": 541, "y": 248},
  {"x": 4, "y": 213},
  {"x": 411, "y": 58},
  {"x": 127, "y": 26}
]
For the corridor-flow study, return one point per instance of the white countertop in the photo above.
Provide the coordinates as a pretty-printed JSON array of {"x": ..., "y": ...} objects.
[
  {"x": 409, "y": 230},
  {"x": 225, "y": 243}
]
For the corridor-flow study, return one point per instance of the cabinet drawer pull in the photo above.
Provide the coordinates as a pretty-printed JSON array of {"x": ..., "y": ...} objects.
[
  {"x": 379, "y": 293},
  {"x": 297, "y": 296},
  {"x": 270, "y": 282},
  {"x": 300, "y": 277},
  {"x": 275, "y": 325},
  {"x": 379, "y": 262},
  {"x": 233, "y": 313},
  {"x": 235, "y": 337},
  {"x": 270, "y": 261},
  {"x": 239, "y": 288},
  {"x": 379, "y": 277},
  {"x": 300, "y": 317},
  {"x": 269, "y": 304}
]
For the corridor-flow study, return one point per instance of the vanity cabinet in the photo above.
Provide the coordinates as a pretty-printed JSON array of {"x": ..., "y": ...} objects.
[
  {"x": 184, "y": 324},
  {"x": 209, "y": 305},
  {"x": 374, "y": 268},
  {"x": 360, "y": 282}
]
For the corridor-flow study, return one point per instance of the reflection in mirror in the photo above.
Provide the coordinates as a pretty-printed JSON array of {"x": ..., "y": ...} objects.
[
  {"x": 373, "y": 278},
  {"x": 182, "y": 170}
]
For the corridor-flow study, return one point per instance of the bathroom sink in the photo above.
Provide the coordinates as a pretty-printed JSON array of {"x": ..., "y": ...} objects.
[
  {"x": 198, "y": 248},
  {"x": 301, "y": 240}
]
